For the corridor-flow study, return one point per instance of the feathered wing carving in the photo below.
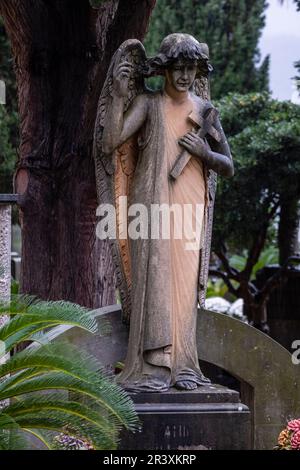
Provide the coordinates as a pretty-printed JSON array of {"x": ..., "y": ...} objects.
[{"x": 114, "y": 173}]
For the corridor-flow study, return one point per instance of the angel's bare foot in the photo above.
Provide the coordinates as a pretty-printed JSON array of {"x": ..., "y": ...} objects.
[{"x": 185, "y": 385}]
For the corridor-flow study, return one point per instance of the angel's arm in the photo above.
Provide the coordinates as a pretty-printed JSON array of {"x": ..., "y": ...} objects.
[
  {"x": 221, "y": 159},
  {"x": 119, "y": 126},
  {"x": 217, "y": 157}
]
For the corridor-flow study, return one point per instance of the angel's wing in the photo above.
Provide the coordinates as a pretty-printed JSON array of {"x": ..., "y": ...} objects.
[
  {"x": 202, "y": 89},
  {"x": 114, "y": 173}
]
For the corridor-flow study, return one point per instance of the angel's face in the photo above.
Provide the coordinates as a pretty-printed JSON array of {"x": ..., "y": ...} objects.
[{"x": 181, "y": 75}]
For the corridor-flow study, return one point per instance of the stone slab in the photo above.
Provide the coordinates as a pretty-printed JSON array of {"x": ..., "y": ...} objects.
[
  {"x": 268, "y": 377},
  {"x": 9, "y": 198},
  {"x": 205, "y": 394},
  {"x": 210, "y": 417},
  {"x": 5, "y": 249}
]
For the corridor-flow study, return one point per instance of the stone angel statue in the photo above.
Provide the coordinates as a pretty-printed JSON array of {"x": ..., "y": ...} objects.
[{"x": 160, "y": 149}]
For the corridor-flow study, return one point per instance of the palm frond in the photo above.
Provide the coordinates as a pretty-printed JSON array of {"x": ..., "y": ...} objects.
[
  {"x": 11, "y": 437},
  {"x": 17, "y": 304},
  {"x": 40, "y": 316},
  {"x": 86, "y": 403},
  {"x": 55, "y": 401},
  {"x": 53, "y": 367},
  {"x": 53, "y": 406},
  {"x": 44, "y": 437},
  {"x": 31, "y": 316},
  {"x": 56, "y": 421},
  {"x": 55, "y": 357},
  {"x": 109, "y": 396}
]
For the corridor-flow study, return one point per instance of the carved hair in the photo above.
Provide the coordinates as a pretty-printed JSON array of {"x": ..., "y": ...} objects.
[{"x": 184, "y": 47}]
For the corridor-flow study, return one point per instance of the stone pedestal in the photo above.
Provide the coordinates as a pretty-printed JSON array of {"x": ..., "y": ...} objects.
[
  {"x": 210, "y": 417},
  {"x": 5, "y": 245},
  {"x": 5, "y": 273}
]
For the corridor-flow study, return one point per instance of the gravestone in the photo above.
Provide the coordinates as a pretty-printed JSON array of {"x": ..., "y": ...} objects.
[
  {"x": 210, "y": 417},
  {"x": 268, "y": 374},
  {"x": 270, "y": 380}
]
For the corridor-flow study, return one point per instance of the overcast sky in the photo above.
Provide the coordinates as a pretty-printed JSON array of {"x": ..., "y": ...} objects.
[{"x": 281, "y": 39}]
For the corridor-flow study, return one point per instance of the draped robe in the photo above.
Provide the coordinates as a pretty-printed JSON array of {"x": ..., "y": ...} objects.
[{"x": 162, "y": 339}]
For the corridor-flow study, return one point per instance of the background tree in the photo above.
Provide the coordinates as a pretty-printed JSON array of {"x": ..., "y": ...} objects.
[
  {"x": 7, "y": 151},
  {"x": 263, "y": 195},
  {"x": 296, "y": 64},
  {"x": 61, "y": 51},
  {"x": 297, "y": 2},
  {"x": 231, "y": 28},
  {"x": 9, "y": 130}
]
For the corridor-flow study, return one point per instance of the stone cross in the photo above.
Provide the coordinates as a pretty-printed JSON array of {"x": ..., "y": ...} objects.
[{"x": 205, "y": 126}]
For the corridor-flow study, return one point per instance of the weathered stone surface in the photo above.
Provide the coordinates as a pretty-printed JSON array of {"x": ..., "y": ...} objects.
[
  {"x": 270, "y": 382},
  {"x": 109, "y": 348},
  {"x": 5, "y": 248},
  {"x": 211, "y": 416},
  {"x": 141, "y": 164},
  {"x": 5, "y": 269},
  {"x": 205, "y": 394}
]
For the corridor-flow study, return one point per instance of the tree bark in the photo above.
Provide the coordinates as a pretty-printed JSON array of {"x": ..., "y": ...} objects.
[
  {"x": 288, "y": 229},
  {"x": 62, "y": 50}
]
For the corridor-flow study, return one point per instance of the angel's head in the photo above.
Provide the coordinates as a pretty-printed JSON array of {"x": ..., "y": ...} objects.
[{"x": 181, "y": 59}]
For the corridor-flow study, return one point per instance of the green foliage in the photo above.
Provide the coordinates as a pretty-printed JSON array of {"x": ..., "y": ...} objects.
[
  {"x": 7, "y": 152},
  {"x": 14, "y": 287},
  {"x": 96, "y": 3},
  {"x": 6, "y": 70},
  {"x": 297, "y": 3},
  {"x": 296, "y": 64},
  {"x": 9, "y": 124},
  {"x": 264, "y": 136},
  {"x": 297, "y": 77},
  {"x": 96, "y": 409},
  {"x": 268, "y": 257},
  {"x": 216, "y": 288},
  {"x": 231, "y": 28}
]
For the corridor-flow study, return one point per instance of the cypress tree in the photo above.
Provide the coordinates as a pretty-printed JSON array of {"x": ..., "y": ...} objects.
[{"x": 231, "y": 28}]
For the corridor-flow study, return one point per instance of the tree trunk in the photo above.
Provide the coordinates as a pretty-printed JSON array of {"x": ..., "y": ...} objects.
[
  {"x": 62, "y": 49},
  {"x": 288, "y": 229},
  {"x": 257, "y": 316}
]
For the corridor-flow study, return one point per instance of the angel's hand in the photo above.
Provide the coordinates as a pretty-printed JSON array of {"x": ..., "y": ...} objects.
[
  {"x": 121, "y": 78},
  {"x": 195, "y": 145}
]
